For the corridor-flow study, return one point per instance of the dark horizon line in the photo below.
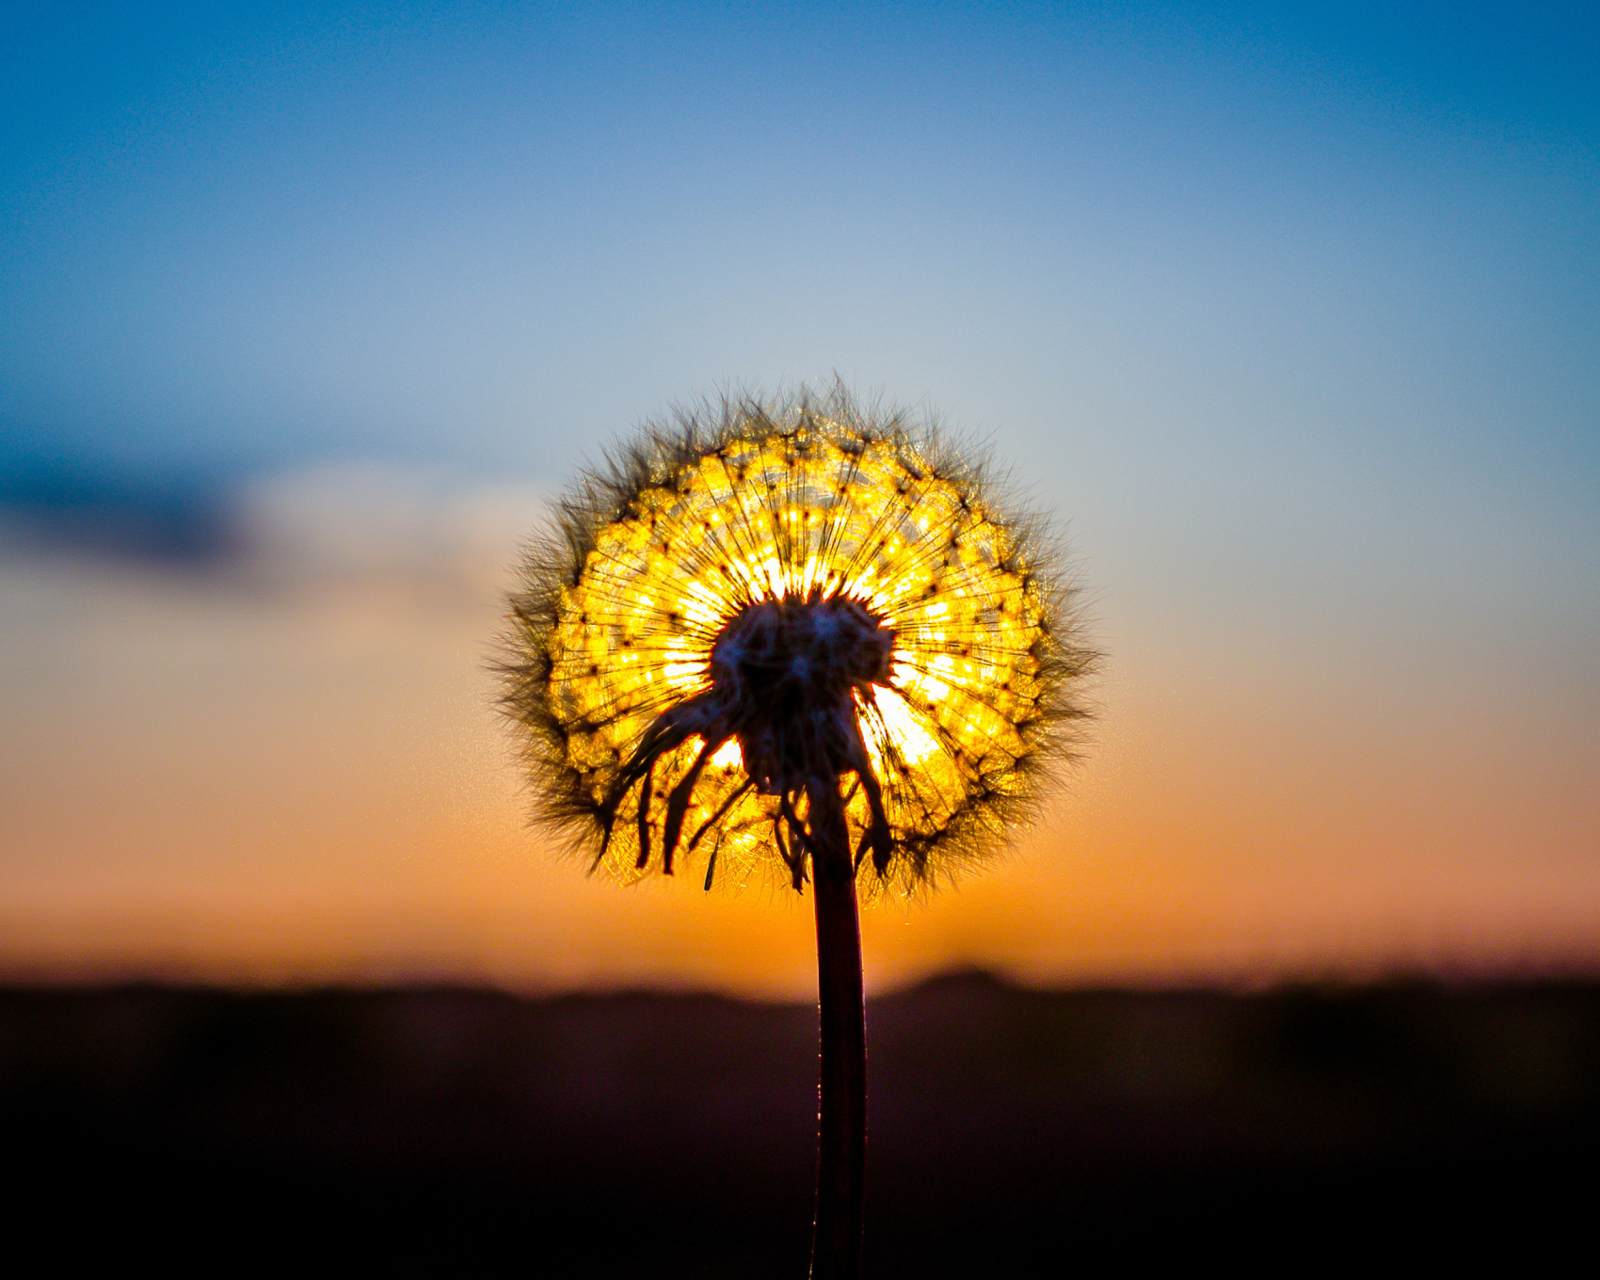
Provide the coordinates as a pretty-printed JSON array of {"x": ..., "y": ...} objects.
[{"x": 1328, "y": 983}]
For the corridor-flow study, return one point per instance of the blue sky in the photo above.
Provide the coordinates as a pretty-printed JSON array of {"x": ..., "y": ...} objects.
[
  {"x": 1291, "y": 315},
  {"x": 1234, "y": 282},
  {"x": 480, "y": 233}
]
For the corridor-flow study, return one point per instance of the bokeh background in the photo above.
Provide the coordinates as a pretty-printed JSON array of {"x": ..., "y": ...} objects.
[{"x": 1290, "y": 315}]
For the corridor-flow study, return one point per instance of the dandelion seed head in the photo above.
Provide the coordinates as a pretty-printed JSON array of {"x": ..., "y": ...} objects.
[{"x": 756, "y": 594}]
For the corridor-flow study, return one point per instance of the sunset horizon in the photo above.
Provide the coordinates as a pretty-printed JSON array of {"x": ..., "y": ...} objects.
[{"x": 1286, "y": 322}]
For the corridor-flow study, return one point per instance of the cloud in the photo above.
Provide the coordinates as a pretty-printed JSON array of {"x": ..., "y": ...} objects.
[
  {"x": 54, "y": 508},
  {"x": 353, "y": 526},
  {"x": 363, "y": 525}
]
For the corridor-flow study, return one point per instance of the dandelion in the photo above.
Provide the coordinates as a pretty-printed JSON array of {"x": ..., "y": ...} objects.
[{"x": 794, "y": 641}]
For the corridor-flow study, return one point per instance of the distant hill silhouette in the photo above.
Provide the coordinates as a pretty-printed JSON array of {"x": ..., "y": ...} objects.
[{"x": 1013, "y": 1132}]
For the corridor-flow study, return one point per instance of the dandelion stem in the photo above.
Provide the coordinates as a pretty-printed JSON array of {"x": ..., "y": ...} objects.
[{"x": 842, "y": 1091}]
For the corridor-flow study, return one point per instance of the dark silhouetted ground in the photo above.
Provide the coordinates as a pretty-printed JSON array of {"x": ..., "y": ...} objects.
[{"x": 1013, "y": 1132}]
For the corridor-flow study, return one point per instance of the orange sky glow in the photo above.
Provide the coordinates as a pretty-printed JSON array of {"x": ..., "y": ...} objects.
[{"x": 295, "y": 773}]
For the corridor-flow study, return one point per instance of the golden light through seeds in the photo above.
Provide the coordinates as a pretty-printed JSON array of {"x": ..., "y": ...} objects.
[{"x": 788, "y": 506}]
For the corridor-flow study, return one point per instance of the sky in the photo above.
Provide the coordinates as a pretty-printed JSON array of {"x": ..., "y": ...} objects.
[{"x": 1288, "y": 315}]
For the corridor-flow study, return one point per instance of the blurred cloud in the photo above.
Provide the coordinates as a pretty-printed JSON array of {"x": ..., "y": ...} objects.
[
  {"x": 323, "y": 528},
  {"x": 329, "y": 529},
  {"x": 71, "y": 509}
]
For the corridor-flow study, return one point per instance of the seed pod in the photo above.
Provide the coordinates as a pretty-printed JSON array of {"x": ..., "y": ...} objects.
[{"x": 755, "y": 596}]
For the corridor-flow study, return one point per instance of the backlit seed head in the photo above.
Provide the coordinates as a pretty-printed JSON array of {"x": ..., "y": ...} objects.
[{"x": 754, "y": 595}]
